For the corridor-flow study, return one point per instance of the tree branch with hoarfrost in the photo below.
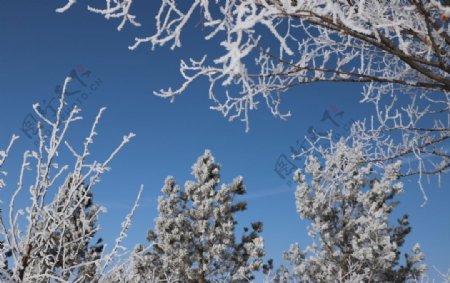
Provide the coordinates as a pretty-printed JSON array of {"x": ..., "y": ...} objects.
[
  {"x": 51, "y": 239},
  {"x": 398, "y": 50},
  {"x": 3, "y": 156}
]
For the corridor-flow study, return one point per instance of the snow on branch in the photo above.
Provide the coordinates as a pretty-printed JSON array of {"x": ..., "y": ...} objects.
[
  {"x": 396, "y": 43},
  {"x": 3, "y": 156},
  {"x": 398, "y": 50},
  {"x": 122, "y": 235},
  {"x": 67, "y": 6},
  {"x": 119, "y": 9},
  {"x": 51, "y": 239}
]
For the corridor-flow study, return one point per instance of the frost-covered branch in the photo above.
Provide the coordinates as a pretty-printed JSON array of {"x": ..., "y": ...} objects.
[
  {"x": 398, "y": 50},
  {"x": 122, "y": 235},
  {"x": 417, "y": 134},
  {"x": 3, "y": 156},
  {"x": 270, "y": 46},
  {"x": 61, "y": 219}
]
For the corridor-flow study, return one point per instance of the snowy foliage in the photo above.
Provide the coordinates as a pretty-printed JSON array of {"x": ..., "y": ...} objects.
[
  {"x": 51, "y": 239},
  {"x": 349, "y": 208},
  {"x": 194, "y": 239}
]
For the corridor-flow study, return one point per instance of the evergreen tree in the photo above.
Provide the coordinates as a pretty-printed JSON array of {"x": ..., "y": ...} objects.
[
  {"x": 349, "y": 209},
  {"x": 194, "y": 239}
]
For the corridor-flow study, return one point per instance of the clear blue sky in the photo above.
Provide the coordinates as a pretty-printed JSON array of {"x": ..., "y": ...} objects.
[{"x": 39, "y": 47}]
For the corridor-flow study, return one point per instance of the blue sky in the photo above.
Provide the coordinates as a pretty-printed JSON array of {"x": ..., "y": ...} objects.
[{"x": 39, "y": 47}]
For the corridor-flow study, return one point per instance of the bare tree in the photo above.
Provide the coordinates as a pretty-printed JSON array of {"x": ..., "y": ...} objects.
[
  {"x": 55, "y": 244},
  {"x": 398, "y": 50}
]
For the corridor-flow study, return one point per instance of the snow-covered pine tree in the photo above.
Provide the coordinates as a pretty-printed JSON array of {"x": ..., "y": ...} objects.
[
  {"x": 349, "y": 209},
  {"x": 194, "y": 239}
]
